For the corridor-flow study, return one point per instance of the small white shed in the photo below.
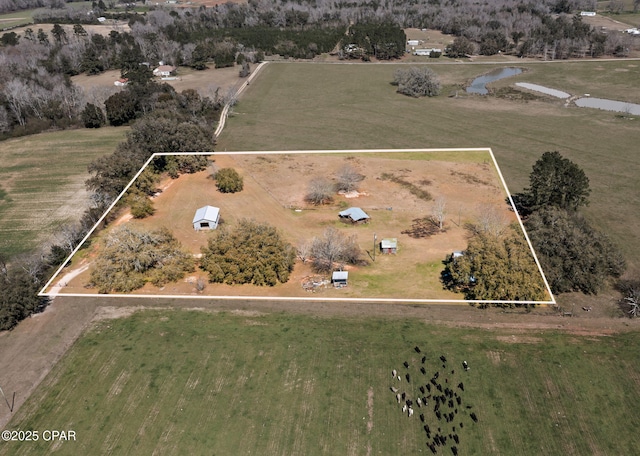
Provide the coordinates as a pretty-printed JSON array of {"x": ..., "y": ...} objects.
[
  {"x": 206, "y": 218},
  {"x": 339, "y": 278}
]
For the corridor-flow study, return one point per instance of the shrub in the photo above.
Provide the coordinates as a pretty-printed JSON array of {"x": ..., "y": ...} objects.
[
  {"x": 417, "y": 82},
  {"x": 228, "y": 180}
]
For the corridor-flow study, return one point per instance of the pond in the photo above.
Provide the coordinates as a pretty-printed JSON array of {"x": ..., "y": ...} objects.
[
  {"x": 479, "y": 84},
  {"x": 609, "y": 105},
  {"x": 543, "y": 89},
  {"x": 587, "y": 102}
]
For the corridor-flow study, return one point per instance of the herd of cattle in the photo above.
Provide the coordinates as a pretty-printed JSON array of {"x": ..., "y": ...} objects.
[{"x": 438, "y": 400}]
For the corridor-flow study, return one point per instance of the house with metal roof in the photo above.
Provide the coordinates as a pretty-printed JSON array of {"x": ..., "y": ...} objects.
[
  {"x": 206, "y": 218},
  {"x": 354, "y": 215}
]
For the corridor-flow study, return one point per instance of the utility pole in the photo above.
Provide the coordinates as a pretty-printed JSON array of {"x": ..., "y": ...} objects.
[{"x": 375, "y": 238}]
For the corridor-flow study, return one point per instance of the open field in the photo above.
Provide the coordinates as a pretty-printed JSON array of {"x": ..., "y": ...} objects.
[
  {"x": 16, "y": 19},
  {"x": 42, "y": 183},
  {"x": 247, "y": 382},
  {"x": 313, "y": 106},
  {"x": 274, "y": 192}
]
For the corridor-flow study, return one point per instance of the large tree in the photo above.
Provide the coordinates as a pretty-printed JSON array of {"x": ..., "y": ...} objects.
[
  {"x": 334, "y": 249},
  {"x": 555, "y": 181},
  {"x": 574, "y": 256},
  {"x": 417, "y": 81},
  {"x": 496, "y": 268},
  {"x": 131, "y": 257},
  {"x": 251, "y": 252}
]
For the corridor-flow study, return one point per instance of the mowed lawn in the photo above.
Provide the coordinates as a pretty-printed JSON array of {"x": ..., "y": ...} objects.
[
  {"x": 324, "y": 106},
  {"x": 192, "y": 382},
  {"x": 42, "y": 183}
]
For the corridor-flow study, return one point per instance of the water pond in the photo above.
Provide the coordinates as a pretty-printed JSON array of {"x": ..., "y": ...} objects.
[
  {"x": 479, "y": 84},
  {"x": 609, "y": 105}
]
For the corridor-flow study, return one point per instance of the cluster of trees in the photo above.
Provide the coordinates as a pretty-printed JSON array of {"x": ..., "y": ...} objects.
[
  {"x": 20, "y": 284},
  {"x": 251, "y": 252},
  {"x": 322, "y": 189},
  {"x": 574, "y": 255},
  {"x": 496, "y": 267},
  {"x": 176, "y": 123},
  {"x": 417, "y": 81},
  {"x": 131, "y": 257}
]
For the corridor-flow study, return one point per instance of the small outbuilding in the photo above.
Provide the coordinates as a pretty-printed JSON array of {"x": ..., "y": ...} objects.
[
  {"x": 354, "y": 215},
  {"x": 339, "y": 278},
  {"x": 389, "y": 245},
  {"x": 206, "y": 218}
]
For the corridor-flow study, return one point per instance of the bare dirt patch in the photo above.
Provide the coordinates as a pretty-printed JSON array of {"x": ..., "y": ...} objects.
[{"x": 519, "y": 339}]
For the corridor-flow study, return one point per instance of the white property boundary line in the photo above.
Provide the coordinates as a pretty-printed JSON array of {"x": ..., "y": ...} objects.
[{"x": 345, "y": 300}]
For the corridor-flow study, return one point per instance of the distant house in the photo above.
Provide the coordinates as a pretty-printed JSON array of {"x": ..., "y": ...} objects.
[
  {"x": 389, "y": 245},
  {"x": 164, "y": 71},
  {"x": 354, "y": 215},
  {"x": 587, "y": 13},
  {"x": 339, "y": 278},
  {"x": 206, "y": 218},
  {"x": 427, "y": 52},
  {"x": 121, "y": 82}
]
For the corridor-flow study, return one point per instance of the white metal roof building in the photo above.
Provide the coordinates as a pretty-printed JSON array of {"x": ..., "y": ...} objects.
[{"x": 206, "y": 218}]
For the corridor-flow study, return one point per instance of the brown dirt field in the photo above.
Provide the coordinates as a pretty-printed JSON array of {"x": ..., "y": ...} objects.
[
  {"x": 206, "y": 82},
  {"x": 274, "y": 191}
]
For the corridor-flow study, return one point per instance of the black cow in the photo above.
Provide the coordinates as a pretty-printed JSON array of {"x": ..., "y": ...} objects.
[
  {"x": 461, "y": 425},
  {"x": 428, "y": 387},
  {"x": 454, "y": 450},
  {"x": 408, "y": 377},
  {"x": 474, "y": 417},
  {"x": 443, "y": 359},
  {"x": 417, "y": 349},
  {"x": 423, "y": 370},
  {"x": 456, "y": 438},
  {"x": 422, "y": 417},
  {"x": 438, "y": 414},
  {"x": 406, "y": 364},
  {"x": 422, "y": 389},
  {"x": 461, "y": 386},
  {"x": 459, "y": 400},
  {"x": 424, "y": 358}
]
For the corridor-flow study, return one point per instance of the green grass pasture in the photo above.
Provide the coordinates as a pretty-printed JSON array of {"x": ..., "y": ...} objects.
[
  {"x": 42, "y": 183},
  {"x": 16, "y": 19},
  {"x": 189, "y": 382},
  {"x": 316, "y": 106}
]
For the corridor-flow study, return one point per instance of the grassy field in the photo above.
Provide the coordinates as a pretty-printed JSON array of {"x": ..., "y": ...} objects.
[
  {"x": 189, "y": 382},
  {"x": 311, "y": 106},
  {"x": 42, "y": 183},
  {"x": 16, "y": 19}
]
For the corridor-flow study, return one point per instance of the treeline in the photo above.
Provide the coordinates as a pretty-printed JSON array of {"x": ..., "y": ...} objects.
[{"x": 169, "y": 122}]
